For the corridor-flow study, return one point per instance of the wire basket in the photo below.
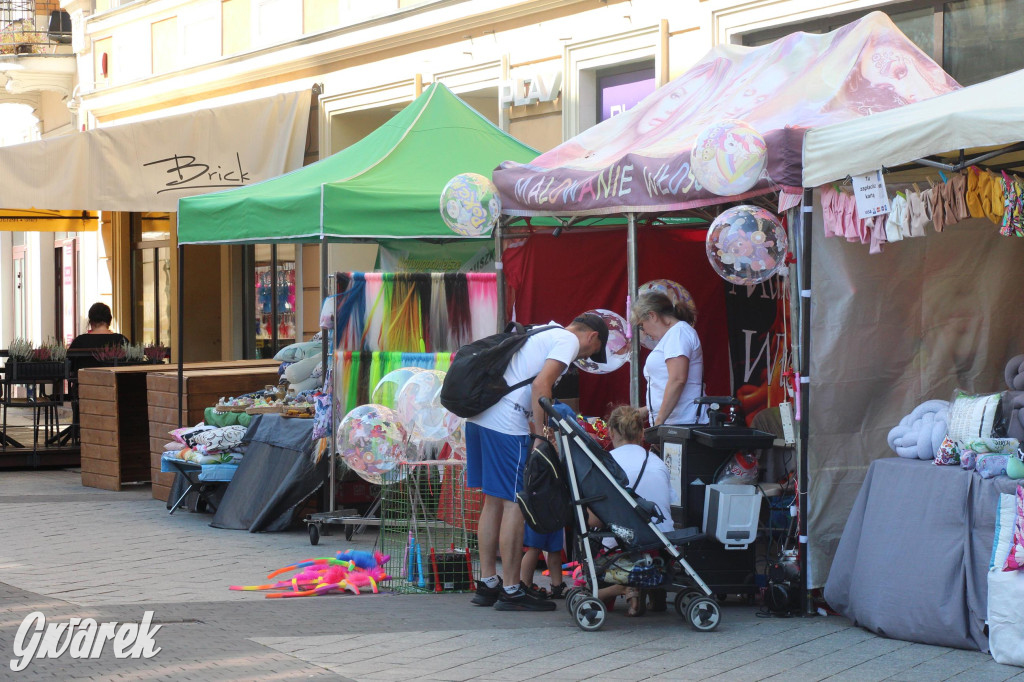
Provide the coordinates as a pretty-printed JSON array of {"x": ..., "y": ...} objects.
[{"x": 428, "y": 526}]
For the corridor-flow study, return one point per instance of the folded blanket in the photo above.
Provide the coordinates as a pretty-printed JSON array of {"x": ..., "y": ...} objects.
[
  {"x": 920, "y": 433},
  {"x": 301, "y": 370}
]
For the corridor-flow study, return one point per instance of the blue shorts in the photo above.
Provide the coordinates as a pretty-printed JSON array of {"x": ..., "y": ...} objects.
[
  {"x": 549, "y": 542},
  {"x": 495, "y": 461}
]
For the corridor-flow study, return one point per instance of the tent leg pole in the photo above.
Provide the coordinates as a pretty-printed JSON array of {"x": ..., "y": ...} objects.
[
  {"x": 803, "y": 478},
  {"x": 499, "y": 269},
  {"x": 181, "y": 334},
  {"x": 631, "y": 287},
  {"x": 326, "y": 358}
]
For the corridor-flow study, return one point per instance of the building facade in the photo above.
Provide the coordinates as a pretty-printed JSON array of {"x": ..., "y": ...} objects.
[{"x": 542, "y": 70}]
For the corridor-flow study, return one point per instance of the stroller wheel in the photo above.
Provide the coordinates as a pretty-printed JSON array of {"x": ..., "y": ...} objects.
[
  {"x": 572, "y": 598},
  {"x": 683, "y": 600},
  {"x": 590, "y": 614},
  {"x": 704, "y": 614}
]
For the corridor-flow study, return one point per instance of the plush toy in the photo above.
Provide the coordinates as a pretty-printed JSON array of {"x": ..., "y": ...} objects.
[
  {"x": 920, "y": 433},
  {"x": 351, "y": 571},
  {"x": 1013, "y": 399}
]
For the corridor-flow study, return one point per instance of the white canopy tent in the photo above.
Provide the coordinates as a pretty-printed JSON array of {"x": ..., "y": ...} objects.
[
  {"x": 982, "y": 115},
  {"x": 887, "y": 331}
]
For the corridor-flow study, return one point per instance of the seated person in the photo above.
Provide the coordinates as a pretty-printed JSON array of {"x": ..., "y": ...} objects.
[
  {"x": 626, "y": 426},
  {"x": 98, "y": 336}
]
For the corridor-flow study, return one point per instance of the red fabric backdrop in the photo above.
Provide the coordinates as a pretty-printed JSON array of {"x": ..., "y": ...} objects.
[{"x": 557, "y": 278}]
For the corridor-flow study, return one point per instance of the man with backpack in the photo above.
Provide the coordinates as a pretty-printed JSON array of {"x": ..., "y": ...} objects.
[{"x": 498, "y": 441}]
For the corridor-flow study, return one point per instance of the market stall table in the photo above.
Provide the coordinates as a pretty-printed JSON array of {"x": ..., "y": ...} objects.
[
  {"x": 278, "y": 472},
  {"x": 913, "y": 560}
]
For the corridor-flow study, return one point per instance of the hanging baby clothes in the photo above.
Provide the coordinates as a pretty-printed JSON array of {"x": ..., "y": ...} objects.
[
  {"x": 934, "y": 196},
  {"x": 975, "y": 192},
  {"x": 918, "y": 212},
  {"x": 832, "y": 211},
  {"x": 1013, "y": 216},
  {"x": 896, "y": 224},
  {"x": 993, "y": 200},
  {"x": 956, "y": 204}
]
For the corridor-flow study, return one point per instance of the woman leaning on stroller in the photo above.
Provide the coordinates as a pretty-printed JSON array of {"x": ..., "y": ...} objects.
[{"x": 675, "y": 368}]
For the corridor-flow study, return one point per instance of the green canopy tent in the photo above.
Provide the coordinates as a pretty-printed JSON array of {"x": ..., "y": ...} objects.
[{"x": 386, "y": 186}]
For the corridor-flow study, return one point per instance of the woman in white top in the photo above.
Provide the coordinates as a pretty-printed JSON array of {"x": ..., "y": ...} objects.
[
  {"x": 675, "y": 368},
  {"x": 626, "y": 426}
]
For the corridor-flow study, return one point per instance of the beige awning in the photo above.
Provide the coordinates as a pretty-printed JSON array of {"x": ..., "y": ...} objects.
[
  {"x": 149, "y": 165},
  {"x": 47, "y": 221}
]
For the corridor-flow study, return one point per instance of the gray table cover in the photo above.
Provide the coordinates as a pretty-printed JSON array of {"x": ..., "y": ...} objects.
[
  {"x": 914, "y": 555},
  {"x": 278, "y": 472}
]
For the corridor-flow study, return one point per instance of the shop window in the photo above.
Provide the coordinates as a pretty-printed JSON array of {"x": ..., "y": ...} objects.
[
  {"x": 151, "y": 278},
  {"x": 978, "y": 39},
  {"x": 982, "y": 39},
  {"x": 619, "y": 89},
  {"x": 270, "y": 298}
]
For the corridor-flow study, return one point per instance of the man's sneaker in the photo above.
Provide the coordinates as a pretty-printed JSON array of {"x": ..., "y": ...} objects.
[
  {"x": 486, "y": 596},
  {"x": 521, "y": 601}
]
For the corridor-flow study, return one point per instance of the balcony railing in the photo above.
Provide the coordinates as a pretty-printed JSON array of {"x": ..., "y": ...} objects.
[{"x": 29, "y": 27}]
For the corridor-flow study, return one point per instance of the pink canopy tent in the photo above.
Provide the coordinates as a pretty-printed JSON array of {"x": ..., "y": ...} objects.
[{"x": 639, "y": 161}]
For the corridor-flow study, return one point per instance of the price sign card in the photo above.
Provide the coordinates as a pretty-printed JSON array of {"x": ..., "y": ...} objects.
[{"x": 869, "y": 192}]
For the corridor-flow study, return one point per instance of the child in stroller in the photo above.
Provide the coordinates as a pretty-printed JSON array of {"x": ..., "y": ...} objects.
[{"x": 644, "y": 555}]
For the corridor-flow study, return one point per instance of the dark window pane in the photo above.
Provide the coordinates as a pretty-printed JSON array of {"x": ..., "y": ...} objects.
[
  {"x": 919, "y": 26},
  {"x": 982, "y": 38}
]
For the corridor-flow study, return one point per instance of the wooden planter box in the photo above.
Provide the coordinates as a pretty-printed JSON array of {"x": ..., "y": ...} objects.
[
  {"x": 114, "y": 422},
  {"x": 203, "y": 387}
]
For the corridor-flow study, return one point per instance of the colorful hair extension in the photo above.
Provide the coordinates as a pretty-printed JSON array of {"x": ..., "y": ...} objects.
[
  {"x": 374, "y": 314},
  {"x": 363, "y": 378},
  {"x": 352, "y": 394},
  {"x": 483, "y": 303},
  {"x": 423, "y": 285},
  {"x": 350, "y": 313},
  {"x": 457, "y": 297},
  {"x": 440, "y": 335},
  {"x": 404, "y": 330}
]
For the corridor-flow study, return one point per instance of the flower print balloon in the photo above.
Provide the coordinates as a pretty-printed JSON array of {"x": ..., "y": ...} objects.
[
  {"x": 372, "y": 441},
  {"x": 470, "y": 205},
  {"x": 728, "y": 157},
  {"x": 675, "y": 292},
  {"x": 746, "y": 245},
  {"x": 618, "y": 346}
]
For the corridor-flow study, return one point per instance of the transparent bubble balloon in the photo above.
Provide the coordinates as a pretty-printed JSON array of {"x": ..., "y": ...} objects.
[
  {"x": 746, "y": 245},
  {"x": 372, "y": 441},
  {"x": 618, "y": 345},
  {"x": 456, "y": 435},
  {"x": 387, "y": 388},
  {"x": 675, "y": 292},
  {"x": 470, "y": 205},
  {"x": 418, "y": 404},
  {"x": 728, "y": 157}
]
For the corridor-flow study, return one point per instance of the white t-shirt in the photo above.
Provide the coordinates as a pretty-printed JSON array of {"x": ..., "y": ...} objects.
[
  {"x": 512, "y": 414},
  {"x": 656, "y": 484},
  {"x": 680, "y": 340}
]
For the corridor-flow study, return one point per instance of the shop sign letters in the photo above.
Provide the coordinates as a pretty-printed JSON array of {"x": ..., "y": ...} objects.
[
  {"x": 82, "y": 638},
  {"x": 869, "y": 192},
  {"x": 531, "y": 88}
]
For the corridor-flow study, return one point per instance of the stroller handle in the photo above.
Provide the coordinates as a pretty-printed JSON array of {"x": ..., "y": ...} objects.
[{"x": 545, "y": 403}]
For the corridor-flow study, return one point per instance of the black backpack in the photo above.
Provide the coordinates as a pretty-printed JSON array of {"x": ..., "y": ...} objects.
[
  {"x": 545, "y": 499},
  {"x": 476, "y": 378}
]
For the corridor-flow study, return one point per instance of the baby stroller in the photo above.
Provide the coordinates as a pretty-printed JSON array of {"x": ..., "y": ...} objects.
[{"x": 599, "y": 483}]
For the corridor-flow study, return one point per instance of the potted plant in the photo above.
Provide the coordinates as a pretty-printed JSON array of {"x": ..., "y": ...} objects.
[
  {"x": 47, "y": 362},
  {"x": 157, "y": 354}
]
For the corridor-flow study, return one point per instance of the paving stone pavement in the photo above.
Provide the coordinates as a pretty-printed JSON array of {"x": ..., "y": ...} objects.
[{"x": 74, "y": 552}]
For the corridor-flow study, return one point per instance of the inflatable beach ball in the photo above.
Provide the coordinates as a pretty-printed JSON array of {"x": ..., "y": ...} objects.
[
  {"x": 617, "y": 348},
  {"x": 470, "y": 205},
  {"x": 675, "y": 292},
  {"x": 728, "y": 157},
  {"x": 746, "y": 245},
  {"x": 372, "y": 441}
]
